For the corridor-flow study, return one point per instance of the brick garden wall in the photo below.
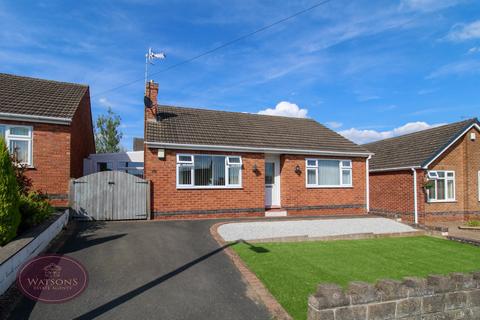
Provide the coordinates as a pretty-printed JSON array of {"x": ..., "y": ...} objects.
[
  {"x": 300, "y": 200},
  {"x": 456, "y": 296}
]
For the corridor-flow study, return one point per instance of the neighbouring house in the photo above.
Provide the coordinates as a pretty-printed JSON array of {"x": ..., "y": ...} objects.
[
  {"x": 428, "y": 176},
  {"x": 128, "y": 161},
  {"x": 48, "y": 125},
  {"x": 206, "y": 163}
]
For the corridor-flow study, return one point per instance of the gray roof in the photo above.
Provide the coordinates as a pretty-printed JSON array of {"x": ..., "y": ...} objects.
[
  {"x": 179, "y": 125},
  {"x": 37, "y": 97},
  {"x": 415, "y": 149}
]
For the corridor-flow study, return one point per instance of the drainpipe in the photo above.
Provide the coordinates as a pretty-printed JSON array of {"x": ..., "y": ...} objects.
[
  {"x": 367, "y": 196},
  {"x": 415, "y": 209}
]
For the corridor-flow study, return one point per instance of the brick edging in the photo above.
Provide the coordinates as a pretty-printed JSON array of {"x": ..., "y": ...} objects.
[{"x": 252, "y": 281}]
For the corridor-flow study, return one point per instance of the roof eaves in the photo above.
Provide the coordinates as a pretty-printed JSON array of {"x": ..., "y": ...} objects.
[
  {"x": 33, "y": 118},
  {"x": 256, "y": 149}
]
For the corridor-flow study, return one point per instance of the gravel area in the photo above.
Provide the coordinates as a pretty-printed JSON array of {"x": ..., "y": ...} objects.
[{"x": 310, "y": 228}]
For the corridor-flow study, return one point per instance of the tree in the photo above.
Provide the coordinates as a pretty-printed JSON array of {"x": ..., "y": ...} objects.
[
  {"x": 107, "y": 133},
  {"x": 9, "y": 197}
]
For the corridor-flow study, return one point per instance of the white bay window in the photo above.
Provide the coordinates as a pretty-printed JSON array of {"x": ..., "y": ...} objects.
[
  {"x": 19, "y": 142},
  {"x": 329, "y": 173},
  {"x": 442, "y": 186},
  {"x": 208, "y": 171}
]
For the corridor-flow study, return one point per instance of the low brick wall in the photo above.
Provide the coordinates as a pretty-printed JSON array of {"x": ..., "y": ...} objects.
[
  {"x": 14, "y": 254},
  {"x": 456, "y": 296}
]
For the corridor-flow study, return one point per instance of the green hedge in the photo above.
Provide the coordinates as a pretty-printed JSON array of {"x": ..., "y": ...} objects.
[
  {"x": 34, "y": 209},
  {"x": 9, "y": 197}
]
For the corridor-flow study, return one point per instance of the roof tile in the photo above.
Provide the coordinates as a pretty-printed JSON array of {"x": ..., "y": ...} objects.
[
  {"x": 414, "y": 149},
  {"x": 210, "y": 127},
  {"x": 39, "y": 97}
]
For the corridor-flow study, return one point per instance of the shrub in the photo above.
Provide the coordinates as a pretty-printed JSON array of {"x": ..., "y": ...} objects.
[
  {"x": 473, "y": 223},
  {"x": 9, "y": 199},
  {"x": 24, "y": 182},
  {"x": 34, "y": 209}
]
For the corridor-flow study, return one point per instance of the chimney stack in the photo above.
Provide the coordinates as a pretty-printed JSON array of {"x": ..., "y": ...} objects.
[{"x": 150, "y": 100}]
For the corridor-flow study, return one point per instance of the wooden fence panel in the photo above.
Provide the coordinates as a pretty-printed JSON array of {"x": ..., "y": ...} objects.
[{"x": 110, "y": 195}]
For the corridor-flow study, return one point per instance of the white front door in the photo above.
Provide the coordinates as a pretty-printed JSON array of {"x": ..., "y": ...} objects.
[{"x": 272, "y": 181}]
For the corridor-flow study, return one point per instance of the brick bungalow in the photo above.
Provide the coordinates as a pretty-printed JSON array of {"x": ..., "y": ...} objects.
[
  {"x": 205, "y": 163},
  {"x": 49, "y": 126},
  {"x": 428, "y": 176}
]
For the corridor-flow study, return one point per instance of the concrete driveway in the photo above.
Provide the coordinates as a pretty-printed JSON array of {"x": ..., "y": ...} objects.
[{"x": 150, "y": 270}]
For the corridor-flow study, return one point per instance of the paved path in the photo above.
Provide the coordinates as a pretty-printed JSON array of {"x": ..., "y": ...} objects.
[
  {"x": 310, "y": 228},
  {"x": 454, "y": 231},
  {"x": 151, "y": 270}
]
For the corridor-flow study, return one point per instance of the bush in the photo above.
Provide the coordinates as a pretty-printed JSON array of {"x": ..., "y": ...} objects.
[
  {"x": 34, "y": 209},
  {"x": 24, "y": 183},
  {"x": 473, "y": 223},
  {"x": 9, "y": 198}
]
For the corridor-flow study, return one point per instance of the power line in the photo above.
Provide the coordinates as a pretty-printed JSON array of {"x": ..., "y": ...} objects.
[{"x": 226, "y": 44}]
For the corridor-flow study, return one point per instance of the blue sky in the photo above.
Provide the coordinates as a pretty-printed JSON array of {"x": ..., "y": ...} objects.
[{"x": 368, "y": 69}]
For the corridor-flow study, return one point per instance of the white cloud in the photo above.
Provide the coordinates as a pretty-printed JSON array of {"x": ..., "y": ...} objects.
[
  {"x": 473, "y": 50},
  {"x": 462, "y": 32},
  {"x": 457, "y": 68},
  {"x": 334, "y": 124},
  {"x": 286, "y": 109},
  {"x": 105, "y": 102},
  {"x": 364, "y": 136},
  {"x": 428, "y": 5},
  {"x": 423, "y": 92}
]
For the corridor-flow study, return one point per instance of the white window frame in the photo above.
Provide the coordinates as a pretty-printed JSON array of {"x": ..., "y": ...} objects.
[
  {"x": 341, "y": 167},
  {"x": 191, "y": 164},
  {"x": 433, "y": 173},
  {"x": 29, "y": 139}
]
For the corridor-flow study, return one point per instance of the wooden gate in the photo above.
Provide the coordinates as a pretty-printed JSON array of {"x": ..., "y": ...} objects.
[{"x": 110, "y": 195}]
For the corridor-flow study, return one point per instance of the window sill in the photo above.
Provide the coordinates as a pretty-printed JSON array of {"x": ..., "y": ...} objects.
[
  {"x": 329, "y": 187},
  {"x": 209, "y": 188},
  {"x": 442, "y": 201}
]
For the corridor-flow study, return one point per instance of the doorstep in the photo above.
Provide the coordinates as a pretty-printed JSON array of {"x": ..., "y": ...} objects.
[{"x": 275, "y": 212}]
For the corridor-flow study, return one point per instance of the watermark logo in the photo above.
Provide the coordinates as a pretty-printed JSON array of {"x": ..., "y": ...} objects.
[{"x": 52, "y": 278}]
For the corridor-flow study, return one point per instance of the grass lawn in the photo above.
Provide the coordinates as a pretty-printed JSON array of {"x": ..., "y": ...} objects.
[{"x": 291, "y": 271}]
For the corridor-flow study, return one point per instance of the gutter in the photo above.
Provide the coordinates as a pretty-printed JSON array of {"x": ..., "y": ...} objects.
[
  {"x": 32, "y": 118},
  {"x": 415, "y": 201},
  {"x": 367, "y": 198},
  {"x": 396, "y": 169},
  {"x": 253, "y": 149}
]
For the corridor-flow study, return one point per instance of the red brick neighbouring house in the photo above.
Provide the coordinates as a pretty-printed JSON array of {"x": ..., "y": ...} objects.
[
  {"x": 206, "y": 163},
  {"x": 49, "y": 125},
  {"x": 428, "y": 176}
]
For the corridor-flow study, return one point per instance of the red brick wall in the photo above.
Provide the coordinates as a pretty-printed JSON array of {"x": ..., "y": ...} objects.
[
  {"x": 300, "y": 200},
  {"x": 82, "y": 139},
  {"x": 391, "y": 193},
  {"x": 463, "y": 158},
  {"x": 168, "y": 200},
  {"x": 51, "y": 152}
]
